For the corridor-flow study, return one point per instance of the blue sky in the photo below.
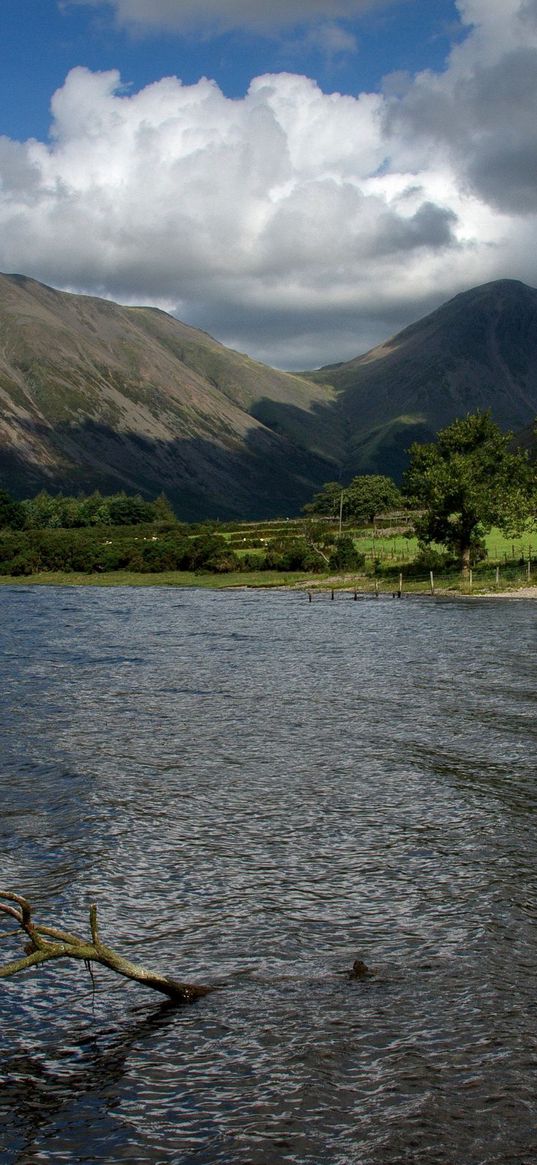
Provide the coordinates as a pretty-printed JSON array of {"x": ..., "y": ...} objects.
[
  {"x": 346, "y": 166},
  {"x": 43, "y": 39}
]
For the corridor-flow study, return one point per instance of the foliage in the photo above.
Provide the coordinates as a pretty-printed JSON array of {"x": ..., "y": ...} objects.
[
  {"x": 11, "y": 512},
  {"x": 344, "y": 555},
  {"x": 326, "y": 501},
  {"x": 467, "y": 481},
  {"x": 49, "y": 512},
  {"x": 150, "y": 550},
  {"x": 429, "y": 558},
  {"x": 292, "y": 553},
  {"x": 366, "y": 496}
]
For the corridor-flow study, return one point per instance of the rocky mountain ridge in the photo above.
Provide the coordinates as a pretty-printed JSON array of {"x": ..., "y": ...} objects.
[{"x": 96, "y": 395}]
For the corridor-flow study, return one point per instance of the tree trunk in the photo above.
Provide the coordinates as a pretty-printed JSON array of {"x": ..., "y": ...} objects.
[{"x": 465, "y": 563}]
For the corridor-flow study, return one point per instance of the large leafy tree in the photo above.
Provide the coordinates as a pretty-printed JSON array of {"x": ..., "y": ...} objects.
[
  {"x": 367, "y": 494},
  {"x": 468, "y": 480}
]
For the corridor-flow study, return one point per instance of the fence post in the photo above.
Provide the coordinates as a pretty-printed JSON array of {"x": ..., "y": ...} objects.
[
  {"x": 497, "y": 576},
  {"x": 431, "y": 575}
]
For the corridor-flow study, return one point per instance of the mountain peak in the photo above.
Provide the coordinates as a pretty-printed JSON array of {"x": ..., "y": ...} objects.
[{"x": 477, "y": 351}]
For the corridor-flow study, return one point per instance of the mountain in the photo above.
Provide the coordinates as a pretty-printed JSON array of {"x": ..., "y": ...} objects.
[
  {"x": 94, "y": 395},
  {"x": 478, "y": 351}
]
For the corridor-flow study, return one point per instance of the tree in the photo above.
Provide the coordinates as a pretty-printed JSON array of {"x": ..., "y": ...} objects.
[
  {"x": 161, "y": 510},
  {"x": 366, "y": 495},
  {"x": 11, "y": 512},
  {"x": 44, "y": 512},
  {"x": 370, "y": 494},
  {"x": 127, "y": 510},
  {"x": 344, "y": 556},
  {"x": 326, "y": 501},
  {"x": 467, "y": 481}
]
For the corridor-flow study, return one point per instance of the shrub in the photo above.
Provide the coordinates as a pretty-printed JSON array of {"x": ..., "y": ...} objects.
[
  {"x": 344, "y": 556},
  {"x": 428, "y": 558}
]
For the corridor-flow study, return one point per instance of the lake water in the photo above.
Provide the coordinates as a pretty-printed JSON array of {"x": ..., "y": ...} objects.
[{"x": 257, "y": 790}]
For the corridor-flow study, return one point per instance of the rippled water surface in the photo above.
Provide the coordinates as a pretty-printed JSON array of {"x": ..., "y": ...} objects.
[{"x": 257, "y": 790}]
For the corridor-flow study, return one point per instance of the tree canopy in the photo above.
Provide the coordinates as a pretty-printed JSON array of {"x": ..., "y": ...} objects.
[
  {"x": 468, "y": 480},
  {"x": 11, "y": 512},
  {"x": 366, "y": 495},
  {"x": 55, "y": 511}
]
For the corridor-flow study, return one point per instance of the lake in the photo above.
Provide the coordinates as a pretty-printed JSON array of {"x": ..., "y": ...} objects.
[{"x": 258, "y": 790}]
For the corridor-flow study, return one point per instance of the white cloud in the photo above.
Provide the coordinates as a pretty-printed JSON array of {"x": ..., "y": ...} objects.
[
  {"x": 300, "y": 226},
  {"x": 186, "y": 16}
]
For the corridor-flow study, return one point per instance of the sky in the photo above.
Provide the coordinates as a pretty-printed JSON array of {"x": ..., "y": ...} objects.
[{"x": 301, "y": 179}]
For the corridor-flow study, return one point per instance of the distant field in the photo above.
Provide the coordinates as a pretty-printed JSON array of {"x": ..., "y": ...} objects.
[{"x": 245, "y": 538}]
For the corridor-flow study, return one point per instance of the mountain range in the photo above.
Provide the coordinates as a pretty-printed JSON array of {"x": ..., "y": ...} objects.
[{"x": 96, "y": 395}]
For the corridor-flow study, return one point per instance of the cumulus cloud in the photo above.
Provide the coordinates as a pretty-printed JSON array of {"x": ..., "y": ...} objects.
[
  {"x": 300, "y": 226},
  {"x": 185, "y": 16},
  {"x": 483, "y": 109}
]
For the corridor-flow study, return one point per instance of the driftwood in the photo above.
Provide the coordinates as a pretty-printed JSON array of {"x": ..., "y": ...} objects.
[{"x": 48, "y": 942}]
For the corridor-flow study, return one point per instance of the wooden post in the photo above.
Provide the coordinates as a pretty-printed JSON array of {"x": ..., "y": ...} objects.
[
  {"x": 332, "y": 594},
  {"x": 309, "y": 596},
  {"x": 529, "y": 569},
  {"x": 431, "y": 575},
  {"x": 400, "y": 585},
  {"x": 376, "y": 588},
  {"x": 497, "y": 576},
  {"x": 470, "y": 578},
  {"x": 355, "y": 596}
]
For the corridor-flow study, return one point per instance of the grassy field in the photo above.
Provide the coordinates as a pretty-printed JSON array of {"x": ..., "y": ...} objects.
[{"x": 386, "y": 547}]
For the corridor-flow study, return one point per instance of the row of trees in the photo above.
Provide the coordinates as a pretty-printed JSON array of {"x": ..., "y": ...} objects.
[
  {"x": 468, "y": 480},
  {"x": 56, "y": 511}
]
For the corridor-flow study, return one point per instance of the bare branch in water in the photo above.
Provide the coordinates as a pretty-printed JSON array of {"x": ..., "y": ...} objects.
[{"x": 49, "y": 942}]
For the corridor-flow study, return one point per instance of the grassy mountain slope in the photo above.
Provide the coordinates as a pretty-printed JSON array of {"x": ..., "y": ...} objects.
[
  {"x": 477, "y": 351},
  {"x": 97, "y": 395}
]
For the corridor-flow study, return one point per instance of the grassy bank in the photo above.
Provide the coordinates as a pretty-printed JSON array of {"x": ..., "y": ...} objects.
[
  {"x": 511, "y": 577},
  {"x": 171, "y": 578}
]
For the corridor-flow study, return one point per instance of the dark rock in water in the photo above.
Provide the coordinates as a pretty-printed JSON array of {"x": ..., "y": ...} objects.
[{"x": 360, "y": 970}]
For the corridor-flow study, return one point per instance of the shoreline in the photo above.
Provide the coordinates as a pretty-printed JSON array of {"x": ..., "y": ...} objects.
[
  {"x": 519, "y": 593},
  {"x": 344, "y": 584}
]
